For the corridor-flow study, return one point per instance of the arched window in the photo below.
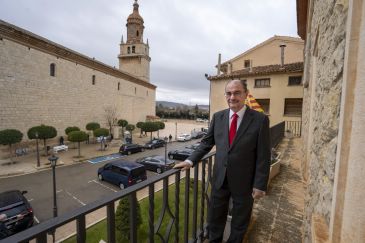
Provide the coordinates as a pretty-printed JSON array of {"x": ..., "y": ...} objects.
[
  {"x": 129, "y": 50},
  {"x": 137, "y": 33},
  {"x": 118, "y": 85},
  {"x": 52, "y": 69},
  {"x": 93, "y": 80},
  {"x": 133, "y": 49}
]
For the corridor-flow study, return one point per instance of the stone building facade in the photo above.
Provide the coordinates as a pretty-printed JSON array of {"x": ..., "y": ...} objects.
[
  {"x": 333, "y": 162},
  {"x": 273, "y": 77},
  {"x": 42, "y": 82}
]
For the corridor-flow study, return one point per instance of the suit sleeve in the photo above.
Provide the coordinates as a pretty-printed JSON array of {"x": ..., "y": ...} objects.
[
  {"x": 205, "y": 146},
  {"x": 263, "y": 157}
]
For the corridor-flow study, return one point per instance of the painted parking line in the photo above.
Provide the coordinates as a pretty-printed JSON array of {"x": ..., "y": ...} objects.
[
  {"x": 35, "y": 218},
  {"x": 101, "y": 184},
  {"x": 78, "y": 200},
  {"x": 105, "y": 158}
]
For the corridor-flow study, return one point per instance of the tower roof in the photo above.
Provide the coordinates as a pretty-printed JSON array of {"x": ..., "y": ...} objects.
[{"x": 135, "y": 17}]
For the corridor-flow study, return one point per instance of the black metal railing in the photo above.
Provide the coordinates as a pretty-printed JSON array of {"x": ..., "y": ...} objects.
[
  {"x": 277, "y": 134},
  {"x": 193, "y": 232},
  {"x": 295, "y": 128}
]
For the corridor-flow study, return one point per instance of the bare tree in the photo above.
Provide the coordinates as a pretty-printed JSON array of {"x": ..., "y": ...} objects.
[{"x": 110, "y": 117}]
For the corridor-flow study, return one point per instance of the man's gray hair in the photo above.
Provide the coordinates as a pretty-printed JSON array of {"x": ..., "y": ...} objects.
[{"x": 242, "y": 82}]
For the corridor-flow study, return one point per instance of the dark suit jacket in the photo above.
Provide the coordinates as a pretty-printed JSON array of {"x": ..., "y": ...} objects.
[{"x": 247, "y": 161}]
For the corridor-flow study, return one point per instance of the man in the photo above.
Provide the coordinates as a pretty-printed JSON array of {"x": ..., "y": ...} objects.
[{"x": 242, "y": 162}]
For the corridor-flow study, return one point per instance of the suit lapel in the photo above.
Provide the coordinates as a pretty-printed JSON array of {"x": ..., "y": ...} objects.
[
  {"x": 225, "y": 126},
  {"x": 246, "y": 120}
]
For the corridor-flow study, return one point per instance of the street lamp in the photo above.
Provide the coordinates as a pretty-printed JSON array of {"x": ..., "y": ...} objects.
[
  {"x": 53, "y": 160},
  {"x": 36, "y": 139},
  {"x": 166, "y": 139}
]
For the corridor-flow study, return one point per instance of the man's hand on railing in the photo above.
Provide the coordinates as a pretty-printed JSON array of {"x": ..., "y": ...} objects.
[{"x": 184, "y": 165}]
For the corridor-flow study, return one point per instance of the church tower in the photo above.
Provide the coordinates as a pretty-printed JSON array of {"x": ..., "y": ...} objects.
[{"x": 134, "y": 54}]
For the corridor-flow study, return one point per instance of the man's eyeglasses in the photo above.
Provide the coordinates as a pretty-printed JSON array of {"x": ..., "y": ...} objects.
[{"x": 235, "y": 94}]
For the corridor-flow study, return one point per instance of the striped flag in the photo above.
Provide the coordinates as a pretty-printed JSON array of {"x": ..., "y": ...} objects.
[{"x": 252, "y": 103}]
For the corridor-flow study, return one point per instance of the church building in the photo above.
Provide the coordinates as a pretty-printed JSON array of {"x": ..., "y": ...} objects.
[{"x": 42, "y": 82}]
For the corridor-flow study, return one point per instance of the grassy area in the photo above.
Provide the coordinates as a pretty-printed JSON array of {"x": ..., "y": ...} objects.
[{"x": 97, "y": 232}]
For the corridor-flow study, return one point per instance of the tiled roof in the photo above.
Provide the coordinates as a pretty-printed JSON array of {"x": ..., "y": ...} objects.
[{"x": 262, "y": 70}]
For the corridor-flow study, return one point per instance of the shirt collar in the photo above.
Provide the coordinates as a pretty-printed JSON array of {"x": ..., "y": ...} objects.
[{"x": 240, "y": 113}]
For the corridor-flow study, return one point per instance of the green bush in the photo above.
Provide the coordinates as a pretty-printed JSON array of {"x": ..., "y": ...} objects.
[
  {"x": 91, "y": 126},
  {"x": 44, "y": 132},
  {"x": 10, "y": 137},
  {"x": 77, "y": 136},
  {"x": 71, "y": 129}
]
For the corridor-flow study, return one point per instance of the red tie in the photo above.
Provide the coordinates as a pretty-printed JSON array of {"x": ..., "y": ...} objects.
[{"x": 232, "y": 130}]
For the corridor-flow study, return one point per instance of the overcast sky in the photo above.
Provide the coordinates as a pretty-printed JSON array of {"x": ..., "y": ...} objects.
[{"x": 185, "y": 36}]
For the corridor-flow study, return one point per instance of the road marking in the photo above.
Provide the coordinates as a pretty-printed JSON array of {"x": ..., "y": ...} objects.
[
  {"x": 35, "y": 218},
  {"x": 29, "y": 200},
  {"x": 59, "y": 191},
  {"x": 83, "y": 204},
  {"x": 101, "y": 184}
]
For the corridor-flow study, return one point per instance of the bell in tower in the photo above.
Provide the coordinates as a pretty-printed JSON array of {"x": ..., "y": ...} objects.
[{"x": 134, "y": 54}]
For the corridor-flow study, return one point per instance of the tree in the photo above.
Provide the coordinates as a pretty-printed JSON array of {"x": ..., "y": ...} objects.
[
  {"x": 122, "y": 222},
  {"x": 110, "y": 117},
  {"x": 140, "y": 126},
  {"x": 130, "y": 128},
  {"x": 10, "y": 137},
  {"x": 44, "y": 132},
  {"x": 71, "y": 129},
  {"x": 77, "y": 136},
  {"x": 150, "y": 127},
  {"x": 196, "y": 110},
  {"x": 101, "y": 132},
  {"x": 91, "y": 126},
  {"x": 161, "y": 125},
  {"x": 122, "y": 123}
]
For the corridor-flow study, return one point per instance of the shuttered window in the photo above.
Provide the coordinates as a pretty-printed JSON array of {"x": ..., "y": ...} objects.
[
  {"x": 262, "y": 83},
  {"x": 293, "y": 107},
  {"x": 265, "y": 104}
]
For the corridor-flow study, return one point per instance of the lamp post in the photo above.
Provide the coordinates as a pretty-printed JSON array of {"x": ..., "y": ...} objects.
[
  {"x": 166, "y": 139},
  {"x": 53, "y": 160},
  {"x": 36, "y": 139}
]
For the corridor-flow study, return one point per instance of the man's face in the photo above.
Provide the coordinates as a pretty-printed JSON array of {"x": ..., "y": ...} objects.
[{"x": 235, "y": 95}]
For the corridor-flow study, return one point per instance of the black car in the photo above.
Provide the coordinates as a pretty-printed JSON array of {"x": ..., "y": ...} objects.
[
  {"x": 156, "y": 163},
  {"x": 16, "y": 213},
  {"x": 131, "y": 148},
  {"x": 180, "y": 154},
  {"x": 122, "y": 173},
  {"x": 197, "y": 135},
  {"x": 155, "y": 143},
  {"x": 193, "y": 146}
]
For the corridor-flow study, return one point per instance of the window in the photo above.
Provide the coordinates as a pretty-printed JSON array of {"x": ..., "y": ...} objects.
[
  {"x": 147, "y": 93},
  {"x": 93, "y": 80},
  {"x": 129, "y": 49},
  {"x": 247, "y": 63},
  {"x": 52, "y": 69},
  {"x": 137, "y": 33},
  {"x": 293, "y": 107},
  {"x": 262, "y": 83},
  {"x": 265, "y": 105},
  {"x": 295, "y": 80},
  {"x": 133, "y": 49},
  {"x": 118, "y": 85},
  {"x": 135, "y": 90}
]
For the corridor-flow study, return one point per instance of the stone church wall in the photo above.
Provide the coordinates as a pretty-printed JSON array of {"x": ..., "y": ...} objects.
[
  {"x": 30, "y": 96},
  {"x": 323, "y": 77}
]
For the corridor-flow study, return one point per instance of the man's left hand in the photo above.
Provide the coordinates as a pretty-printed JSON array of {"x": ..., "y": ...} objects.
[{"x": 257, "y": 194}]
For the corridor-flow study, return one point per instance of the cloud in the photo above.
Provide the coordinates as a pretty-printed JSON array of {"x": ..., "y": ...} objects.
[{"x": 185, "y": 36}]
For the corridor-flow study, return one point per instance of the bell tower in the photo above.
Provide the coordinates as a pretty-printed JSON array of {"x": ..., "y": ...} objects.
[{"x": 134, "y": 53}]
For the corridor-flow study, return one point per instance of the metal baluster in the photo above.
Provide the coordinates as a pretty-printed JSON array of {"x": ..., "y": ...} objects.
[
  {"x": 133, "y": 217},
  {"x": 81, "y": 229},
  {"x": 195, "y": 202},
  {"x": 110, "y": 211},
  {"x": 186, "y": 210},
  {"x": 151, "y": 218},
  {"x": 177, "y": 202}
]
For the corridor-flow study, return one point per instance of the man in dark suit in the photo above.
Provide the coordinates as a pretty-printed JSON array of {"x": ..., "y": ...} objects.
[{"x": 242, "y": 163}]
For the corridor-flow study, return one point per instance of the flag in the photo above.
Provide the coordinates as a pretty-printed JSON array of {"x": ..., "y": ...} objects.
[{"x": 252, "y": 103}]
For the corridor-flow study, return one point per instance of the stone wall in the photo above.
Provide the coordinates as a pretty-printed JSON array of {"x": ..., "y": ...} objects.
[
  {"x": 323, "y": 77},
  {"x": 30, "y": 96}
]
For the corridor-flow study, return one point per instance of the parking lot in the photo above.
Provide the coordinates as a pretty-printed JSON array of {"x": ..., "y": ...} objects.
[{"x": 77, "y": 184}]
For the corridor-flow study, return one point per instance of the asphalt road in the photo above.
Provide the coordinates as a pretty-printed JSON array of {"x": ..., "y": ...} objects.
[{"x": 76, "y": 185}]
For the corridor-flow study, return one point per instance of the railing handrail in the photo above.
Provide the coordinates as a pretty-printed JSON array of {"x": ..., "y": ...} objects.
[{"x": 53, "y": 223}]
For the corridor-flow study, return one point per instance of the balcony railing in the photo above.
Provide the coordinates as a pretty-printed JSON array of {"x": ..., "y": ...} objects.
[{"x": 193, "y": 230}]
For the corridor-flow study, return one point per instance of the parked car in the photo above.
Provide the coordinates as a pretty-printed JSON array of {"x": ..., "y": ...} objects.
[
  {"x": 16, "y": 211},
  {"x": 184, "y": 137},
  {"x": 180, "y": 154},
  {"x": 193, "y": 146},
  {"x": 156, "y": 163},
  {"x": 155, "y": 143},
  {"x": 122, "y": 173},
  {"x": 196, "y": 135},
  {"x": 131, "y": 148}
]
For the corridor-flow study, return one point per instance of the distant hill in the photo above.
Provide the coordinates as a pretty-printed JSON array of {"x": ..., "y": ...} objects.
[{"x": 175, "y": 105}]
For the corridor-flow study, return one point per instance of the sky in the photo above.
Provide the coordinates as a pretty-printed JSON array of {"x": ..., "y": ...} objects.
[{"x": 185, "y": 36}]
